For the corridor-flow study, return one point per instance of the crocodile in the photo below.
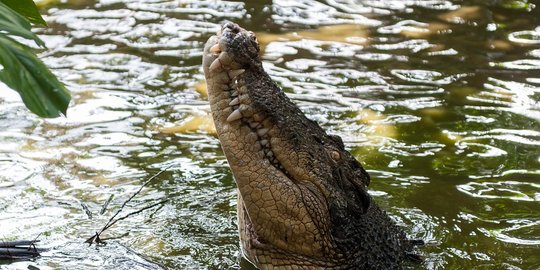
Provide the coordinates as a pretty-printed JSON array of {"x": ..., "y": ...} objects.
[{"x": 303, "y": 201}]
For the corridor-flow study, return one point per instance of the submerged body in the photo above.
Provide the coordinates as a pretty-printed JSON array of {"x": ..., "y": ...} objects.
[{"x": 303, "y": 201}]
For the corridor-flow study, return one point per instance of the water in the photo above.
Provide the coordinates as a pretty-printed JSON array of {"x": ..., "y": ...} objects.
[{"x": 440, "y": 100}]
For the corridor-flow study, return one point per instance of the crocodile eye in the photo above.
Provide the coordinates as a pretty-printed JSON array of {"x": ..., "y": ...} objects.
[
  {"x": 335, "y": 155},
  {"x": 253, "y": 37}
]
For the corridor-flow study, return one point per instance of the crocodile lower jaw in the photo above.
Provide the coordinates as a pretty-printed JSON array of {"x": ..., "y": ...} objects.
[{"x": 227, "y": 76}]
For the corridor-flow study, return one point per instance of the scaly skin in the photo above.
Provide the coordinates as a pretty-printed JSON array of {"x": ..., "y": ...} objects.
[{"x": 303, "y": 201}]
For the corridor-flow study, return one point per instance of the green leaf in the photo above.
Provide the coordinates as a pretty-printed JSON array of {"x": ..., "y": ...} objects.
[
  {"x": 27, "y": 8},
  {"x": 22, "y": 71},
  {"x": 15, "y": 24}
]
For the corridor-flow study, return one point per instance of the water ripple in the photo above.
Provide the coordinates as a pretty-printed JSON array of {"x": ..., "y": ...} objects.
[
  {"x": 526, "y": 37},
  {"x": 519, "y": 191},
  {"x": 506, "y": 234},
  {"x": 205, "y": 7},
  {"x": 306, "y": 12},
  {"x": 425, "y": 76}
]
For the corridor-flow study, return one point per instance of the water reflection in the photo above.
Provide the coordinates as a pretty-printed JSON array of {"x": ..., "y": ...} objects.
[
  {"x": 438, "y": 99},
  {"x": 496, "y": 190}
]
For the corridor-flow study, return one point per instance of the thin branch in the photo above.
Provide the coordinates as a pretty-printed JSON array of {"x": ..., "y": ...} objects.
[
  {"x": 106, "y": 205},
  {"x": 135, "y": 212},
  {"x": 135, "y": 194},
  {"x": 112, "y": 221}
]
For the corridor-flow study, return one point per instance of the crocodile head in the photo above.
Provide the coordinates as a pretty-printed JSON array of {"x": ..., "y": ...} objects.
[{"x": 303, "y": 198}]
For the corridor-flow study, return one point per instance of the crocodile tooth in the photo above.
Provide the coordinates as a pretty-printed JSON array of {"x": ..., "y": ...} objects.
[
  {"x": 261, "y": 132},
  {"x": 234, "y": 102},
  {"x": 270, "y": 154},
  {"x": 225, "y": 58},
  {"x": 216, "y": 65},
  {"x": 236, "y": 72},
  {"x": 235, "y": 115},
  {"x": 264, "y": 142},
  {"x": 235, "y": 65},
  {"x": 244, "y": 98},
  {"x": 215, "y": 49},
  {"x": 246, "y": 110},
  {"x": 234, "y": 93},
  {"x": 253, "y": 124}
]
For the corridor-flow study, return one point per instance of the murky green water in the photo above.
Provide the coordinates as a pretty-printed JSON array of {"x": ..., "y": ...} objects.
[{"x": 440, "y": 100}]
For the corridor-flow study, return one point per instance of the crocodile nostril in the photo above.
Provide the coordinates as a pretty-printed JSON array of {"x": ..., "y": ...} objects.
[
  {"x": 232, "y": 27},
  {"x": 229, "y": 25}
]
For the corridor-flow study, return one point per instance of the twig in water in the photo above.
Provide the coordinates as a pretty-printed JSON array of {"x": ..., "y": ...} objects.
[
  {"x": 96, "y": 237},
  {"x": 134, "y": 213},
  {"x": 86, "y": 210},
  {"x": 106, "y": 205}
]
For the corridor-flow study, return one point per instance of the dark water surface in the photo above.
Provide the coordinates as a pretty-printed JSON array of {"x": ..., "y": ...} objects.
[{"x": 439, "y": 100}]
